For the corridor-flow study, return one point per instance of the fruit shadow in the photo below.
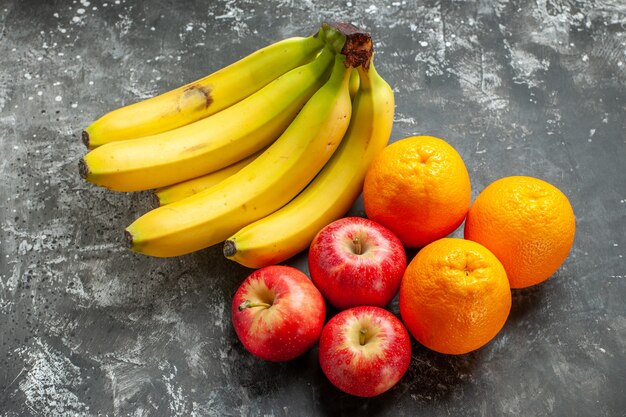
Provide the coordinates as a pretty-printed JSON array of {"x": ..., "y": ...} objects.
[
  {"x": 431, "y": 378},
  {"x": 269, "y": 383},
  {"x": 525, "y": 301}
]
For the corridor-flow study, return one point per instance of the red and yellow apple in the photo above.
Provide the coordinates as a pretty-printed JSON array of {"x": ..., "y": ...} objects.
[
  {"x": 355, "y": 261},
  {"x": 277, "y": 313},
  {"x": 364, "y": 351}
]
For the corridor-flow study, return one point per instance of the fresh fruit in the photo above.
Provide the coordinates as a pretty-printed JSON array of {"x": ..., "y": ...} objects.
[
  {"x": 354, "y": 83},
  {"x": 364, "y": 351},
  {"x": 527, "y": 223},
  {"x": 205, "y": 191},
  {"x": 176, "y": 192},
  {"x": 203, "y": 97},
  {"x": 354, "y": 261},
  {"x": 277, "y": 313},
  {"x": 454, "y": 296},
  {"x": 419, "y": 188},
  {"x": 291, "y": 229},
  {"x": 208, "y": 144},
  {"x": 260, "y": 188}
]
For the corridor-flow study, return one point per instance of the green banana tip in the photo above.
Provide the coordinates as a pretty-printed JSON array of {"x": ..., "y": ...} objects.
[{"x": 230, "y": 249}]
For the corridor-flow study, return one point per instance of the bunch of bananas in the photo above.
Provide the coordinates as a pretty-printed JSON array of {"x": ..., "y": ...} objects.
[{"x": 261, "y": 154}]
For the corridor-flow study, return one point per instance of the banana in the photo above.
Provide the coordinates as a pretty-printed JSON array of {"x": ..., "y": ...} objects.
[
  {"x": 260, "y": 188},
  {"x": 176, "y": 192},
  {"x": 330, "y": 195},
  {"x": 354, "y": 84},
  {"x": 203, "y": 97},
  {"x": 208, "y": 144}
]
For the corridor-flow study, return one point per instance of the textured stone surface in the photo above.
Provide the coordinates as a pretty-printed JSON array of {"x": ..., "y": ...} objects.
[{"x": 89, "y": 329}]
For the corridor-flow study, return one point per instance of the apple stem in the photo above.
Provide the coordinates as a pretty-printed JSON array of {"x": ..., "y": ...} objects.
[
  {"x": 362, "y": 333},
  {"x": 357, "y": 245},
  {"x": 248, "y": 304}
]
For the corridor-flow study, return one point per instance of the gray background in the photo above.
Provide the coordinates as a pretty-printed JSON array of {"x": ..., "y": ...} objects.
[{"x": 89, "y": 329}]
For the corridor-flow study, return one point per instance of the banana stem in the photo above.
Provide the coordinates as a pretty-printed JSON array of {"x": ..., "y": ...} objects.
[
  {"x": 365, "y": 81},
  {"x": 350, "y": 41}
]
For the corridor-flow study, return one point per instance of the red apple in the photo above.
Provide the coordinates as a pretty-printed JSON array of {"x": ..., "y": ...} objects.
[
  {"x": 278, "y": 314},
  {"x": 364, "y": 351},
  {"x": 355, "y": 261}
]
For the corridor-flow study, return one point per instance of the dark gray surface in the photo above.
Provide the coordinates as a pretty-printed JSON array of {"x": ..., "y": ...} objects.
[{"x": 89, "y": 329}]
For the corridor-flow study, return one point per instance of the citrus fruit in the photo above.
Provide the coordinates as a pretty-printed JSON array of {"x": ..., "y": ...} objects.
[
  {"x": 454, "y": 296},
  {"x": 419, "y": 188},
  {"x": 527, "y": 223}
]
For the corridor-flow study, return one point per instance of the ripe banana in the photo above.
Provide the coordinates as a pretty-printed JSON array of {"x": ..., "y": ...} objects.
[
  {"x": 260, "y": 188},
  {"x": 354, "y": 84},
  {"x": 176, "y": 192},
  {"x": 330, "y": 195},
  {"x": 203, "y": 97},
  {"x": 208, "y": 144}
]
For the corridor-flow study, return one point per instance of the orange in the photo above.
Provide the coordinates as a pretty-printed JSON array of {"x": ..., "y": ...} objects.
[
  {"x": 527, "y": 223},
  {"x": 418, "y": 188},
  {"x": 454, "y": 296}
]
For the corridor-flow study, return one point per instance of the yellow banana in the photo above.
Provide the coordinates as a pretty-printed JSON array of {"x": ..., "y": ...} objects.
[
  {"x": 330, "y": 195},
  {"x": 354, "y": 83},
  {"x": 260, "y": 188},
  {"x": 203, "y": 97},
  {"x": 176, "y": 192},
  {"x": 208, "y": 144}
]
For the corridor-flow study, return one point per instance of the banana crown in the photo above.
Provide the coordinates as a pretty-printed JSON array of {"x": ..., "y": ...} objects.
[{"x": 349, "y": 41}]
